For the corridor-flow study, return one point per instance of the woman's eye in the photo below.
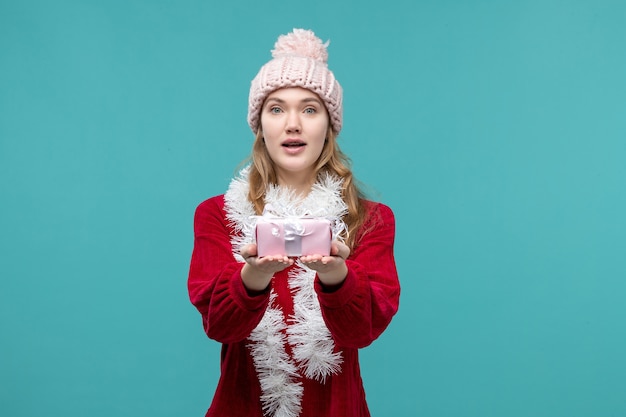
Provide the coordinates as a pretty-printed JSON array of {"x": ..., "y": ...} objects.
[
  {"x": 275, "y": 110},
  {"x": 310, "y": 110}
]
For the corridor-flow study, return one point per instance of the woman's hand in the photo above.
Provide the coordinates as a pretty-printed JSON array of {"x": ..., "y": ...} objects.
[
  {"x": 331, "y": 270},
  {"x": 257, "y": 273}
]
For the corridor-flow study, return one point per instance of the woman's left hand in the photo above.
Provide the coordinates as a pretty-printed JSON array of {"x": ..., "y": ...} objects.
[{"x": 332, "y": 269}]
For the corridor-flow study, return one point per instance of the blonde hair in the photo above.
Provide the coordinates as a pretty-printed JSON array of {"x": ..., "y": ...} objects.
[{"x": 332, "y": 160}]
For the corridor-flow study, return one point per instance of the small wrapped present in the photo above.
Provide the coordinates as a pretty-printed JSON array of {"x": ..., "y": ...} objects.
[{"x": 293, "y": 236}]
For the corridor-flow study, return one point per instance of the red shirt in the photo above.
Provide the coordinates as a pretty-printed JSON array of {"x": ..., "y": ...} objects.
[{"x": 356, "y": 313}]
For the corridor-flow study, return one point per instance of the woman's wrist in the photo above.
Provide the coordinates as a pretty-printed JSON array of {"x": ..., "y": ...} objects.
[
  {"x": 253, "y": 279},
  {"x": 334, "y": 277}
]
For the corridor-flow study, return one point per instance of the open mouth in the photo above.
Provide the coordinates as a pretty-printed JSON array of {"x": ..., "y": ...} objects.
[{"x": 293, "y": 144}]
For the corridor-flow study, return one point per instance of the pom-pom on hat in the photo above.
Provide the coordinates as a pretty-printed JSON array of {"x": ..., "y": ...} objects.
[{"x": 300, "y": 60}]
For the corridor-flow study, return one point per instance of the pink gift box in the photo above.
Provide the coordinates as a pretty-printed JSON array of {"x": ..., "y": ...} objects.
[{"x": 293, "y": 236}]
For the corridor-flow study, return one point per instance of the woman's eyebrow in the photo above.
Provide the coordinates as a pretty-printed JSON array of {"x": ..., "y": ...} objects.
[
  {"x": 312, "y": 99},
  {"x": 304, "y": 100}
]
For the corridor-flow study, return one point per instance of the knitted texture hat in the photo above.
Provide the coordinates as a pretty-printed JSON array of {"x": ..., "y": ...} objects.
[{"x": 300, "y": 60}]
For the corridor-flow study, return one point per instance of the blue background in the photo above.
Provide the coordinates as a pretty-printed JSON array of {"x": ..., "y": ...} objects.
[{"x": 494, "y": 129}]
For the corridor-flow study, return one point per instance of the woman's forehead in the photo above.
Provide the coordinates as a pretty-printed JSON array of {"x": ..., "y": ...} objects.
[{"x": 296, "y": 93}]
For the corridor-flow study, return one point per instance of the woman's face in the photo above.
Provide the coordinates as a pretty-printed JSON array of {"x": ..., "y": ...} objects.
[{"x": 294, "y": 122}]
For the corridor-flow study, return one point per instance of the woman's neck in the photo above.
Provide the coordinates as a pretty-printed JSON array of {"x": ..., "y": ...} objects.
[{"x": 301, "y": 184}]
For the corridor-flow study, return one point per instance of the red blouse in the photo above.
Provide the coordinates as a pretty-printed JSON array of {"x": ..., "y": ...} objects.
[{"x": 356, "y": 313}]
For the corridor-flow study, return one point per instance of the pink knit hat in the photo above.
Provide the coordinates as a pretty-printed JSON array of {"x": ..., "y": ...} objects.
[{"x": 300, "y": 60}]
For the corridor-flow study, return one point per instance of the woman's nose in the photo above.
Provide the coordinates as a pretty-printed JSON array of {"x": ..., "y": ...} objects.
[{"x": 293, "y": 123}]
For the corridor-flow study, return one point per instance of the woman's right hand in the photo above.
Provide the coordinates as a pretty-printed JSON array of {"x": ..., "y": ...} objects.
[{"x": 257, "y": 272}]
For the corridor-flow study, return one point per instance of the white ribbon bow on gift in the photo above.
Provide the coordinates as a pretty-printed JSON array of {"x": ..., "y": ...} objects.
[{"x": 294, "y": 231}]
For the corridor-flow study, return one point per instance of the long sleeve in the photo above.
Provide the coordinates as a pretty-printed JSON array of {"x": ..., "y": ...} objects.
[
  {"x": 229, "y": 312},
  {"x": 362, "y": 308}
]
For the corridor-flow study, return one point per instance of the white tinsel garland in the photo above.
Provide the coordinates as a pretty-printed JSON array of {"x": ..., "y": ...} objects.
[{"x": 311, "y": 342}]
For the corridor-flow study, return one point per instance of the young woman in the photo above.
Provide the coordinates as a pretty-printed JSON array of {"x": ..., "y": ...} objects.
[{"x": 291, "y": 328}]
